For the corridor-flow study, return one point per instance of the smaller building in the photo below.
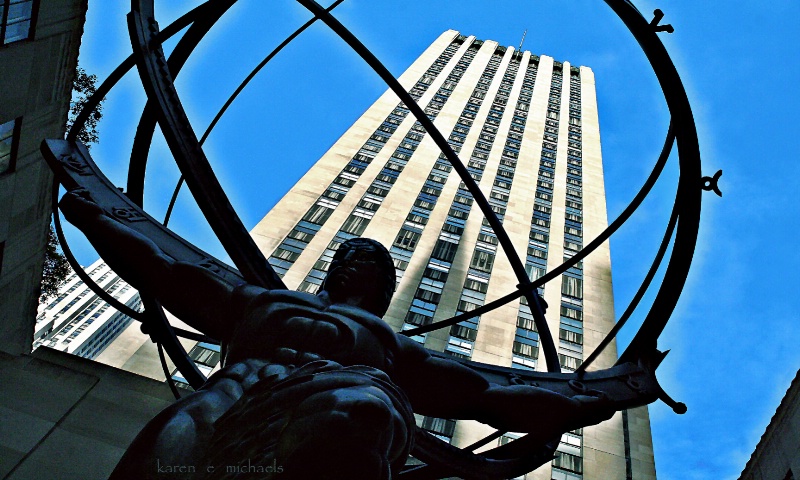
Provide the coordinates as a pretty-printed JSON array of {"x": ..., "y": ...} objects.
[
  {"x": 78, "y": 321},
  {"x": 81, "y": 323},
  {"x": 777, "y": 455}
]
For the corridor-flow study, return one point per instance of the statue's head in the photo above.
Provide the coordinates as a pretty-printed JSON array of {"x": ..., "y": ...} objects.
[{"x": 362, "y": 273}]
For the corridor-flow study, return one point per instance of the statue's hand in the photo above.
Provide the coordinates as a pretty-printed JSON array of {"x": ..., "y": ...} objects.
[
  {"x": 79, "y": 203},
  {"x": 523, "y": 408},
  {"x": 593, "y": 409}
]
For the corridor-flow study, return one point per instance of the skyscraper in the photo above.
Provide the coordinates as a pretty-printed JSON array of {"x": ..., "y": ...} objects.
[{"x": 526, "y": 127}]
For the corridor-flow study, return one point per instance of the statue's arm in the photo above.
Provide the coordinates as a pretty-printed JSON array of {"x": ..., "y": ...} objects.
[
  {"x": 182, "y": 433},
  {"x": 192, "y": 293},
  {"x": 447, "y": 389}
]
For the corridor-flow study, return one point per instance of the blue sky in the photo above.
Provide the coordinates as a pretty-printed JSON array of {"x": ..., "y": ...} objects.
[{"x": 733, "y": 336}]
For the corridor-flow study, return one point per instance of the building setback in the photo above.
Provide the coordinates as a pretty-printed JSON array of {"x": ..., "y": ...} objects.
[{"x": 526, "y": 127}]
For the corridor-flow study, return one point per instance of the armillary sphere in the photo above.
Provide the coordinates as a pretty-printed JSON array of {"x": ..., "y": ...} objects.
[{"x": 631, "y": 381}]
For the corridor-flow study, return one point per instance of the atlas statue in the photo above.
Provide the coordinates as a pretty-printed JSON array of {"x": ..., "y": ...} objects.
[
  {"x": 316, "y": 384},
  {"x": 319, "y": 386}
]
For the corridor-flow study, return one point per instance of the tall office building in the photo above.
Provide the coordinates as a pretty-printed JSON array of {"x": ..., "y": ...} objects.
[{"x": 527, "y": 128}]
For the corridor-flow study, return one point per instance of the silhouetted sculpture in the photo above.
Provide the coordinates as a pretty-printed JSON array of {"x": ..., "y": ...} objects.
[{"x": 315, "y": 386}]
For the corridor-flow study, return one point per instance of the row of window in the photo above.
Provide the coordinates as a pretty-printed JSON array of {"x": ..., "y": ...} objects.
[
  {"x": 571, "y": 325},
  {"x": 104, "y": 336},
  {"x": 428, "y": 293},
  {"x": 296, "y": 241},
  {"x": 462, "y": 335},
  {"x": 358, "y": 220},
  {"x": 473, "y": 294},
  {"x": 525, "y": 349},
  {"x": 568, "y": 463}
]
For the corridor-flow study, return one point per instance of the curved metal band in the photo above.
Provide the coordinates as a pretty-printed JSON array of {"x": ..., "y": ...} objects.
[
  {"x": 688, "y": 201},
  {"x": 662, "y": 250},
  {"x": 211, "y": 13},
  {"x": 687, "y": 206},
  {"x": 80, "y": 121},
  {"x": 124, "y": 67},
  {"x": 545, "y": 338},
  {"x": 176, "y": 351},
  {"x": 190, "y": 157},
  {"x": 236, "y": 93},
  {"x": 594, "y": 244},
  {"x": 147, "y": 123}
]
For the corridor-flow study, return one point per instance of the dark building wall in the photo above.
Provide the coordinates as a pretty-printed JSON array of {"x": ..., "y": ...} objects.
[{"x": 35, "y": 88}]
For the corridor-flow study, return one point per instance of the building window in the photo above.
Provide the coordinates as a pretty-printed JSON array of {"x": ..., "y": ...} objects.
[
  {"x": 567, "y": 461},
  {"x": 476, "y": 285},
  {"x": 308, "y": 287},
  {"x": 355, "y": 225},
  {"x": 466, "y": 333},
  {"x": 440, "y": 427},
  {"x": 569, "y": 363},
  {"x": 444, "y": 251},
  {"x": 17, "y": 20},
  {"x": 571, "y": 313},
  {"x": 318, "y": 214},
  {"x": 526, "y": 323},
  {"x": 570, "y": 336},
  {"x": 407, "y": 239},
  {"x": 284, "y": 254},
  {"x": 482, "y": 261},
  {"x": 525, "y": 350},
  {"x": 419, "y": 319},
  {"x": 201, "y": 353},
  {"x": 9, "y": 143},
  {"x": 572, "y": 287}
]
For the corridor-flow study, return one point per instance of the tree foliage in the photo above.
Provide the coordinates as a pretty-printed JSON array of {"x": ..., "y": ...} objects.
[
  {"x": 56, "y": 268},
  {"x": 83, "y": 87}
]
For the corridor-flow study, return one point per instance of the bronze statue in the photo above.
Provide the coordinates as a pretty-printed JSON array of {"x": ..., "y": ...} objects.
[
  {"x": 316, "y": 386},
  {"x": 320, "y": 387}
]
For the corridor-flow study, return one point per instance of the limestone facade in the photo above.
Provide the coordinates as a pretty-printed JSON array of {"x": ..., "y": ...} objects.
[{"x": 527, "y": 128}]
